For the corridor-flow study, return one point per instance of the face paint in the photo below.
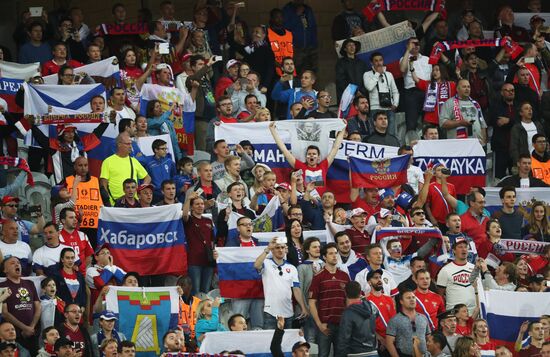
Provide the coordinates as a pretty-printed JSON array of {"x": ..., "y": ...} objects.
[{"x": 395, "y": 247}]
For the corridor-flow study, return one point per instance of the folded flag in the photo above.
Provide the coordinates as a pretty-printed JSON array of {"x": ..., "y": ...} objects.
[
  {"x": 122, "y": 29},
  {"x": 61, "y": 99},
  {"x": 20, "y": 164},
  {"x": 145, "y": 240},
  {"x": 389, "y": 41},
  {"x": 106, "y": 71},
  {"x": 12, "y": 76},
  {"x": 347, "y": 99},
  {"x": 238, "y": 277},
  {"x": 511, "y": 47},
  {"x": 251, "y": 343},
  {"x": 406, "y": 232},
  {"x": 381, "y": 173},
  {"x": 144, "y": 315},
  {"x": 375, "y": 7}
]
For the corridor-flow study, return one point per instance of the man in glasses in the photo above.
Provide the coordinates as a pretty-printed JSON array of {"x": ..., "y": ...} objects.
[
  {"x": 280, "y": 281},
  {"x": 72, "y": 330},
  {"x": 26, "y": 228},
  {"x": 322, "y": 111},
  {"x": 540, "y": 158},
  {"x": 404, "y": 326}
]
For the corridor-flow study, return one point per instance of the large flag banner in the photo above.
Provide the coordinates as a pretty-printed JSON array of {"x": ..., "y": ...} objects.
[
  {"x": 345, "y": 102},
  {"x": 146, "y": 144},
  {"x": 525, "y": 197},
  {"x": 265, "y": 237},
  {"x": 505, "y": 318},
  {"x": 391, "y": 42},
  {"x": 105, "y": 71},
  {"x": 338, "y": 173},
  {"x": 464, "y": 157},
  {"x": 149, "y": 241},
  {"x": 238, "y": 277},
  {"x": 270, "y": 220},
  {"x": 144, "y": 315},
  {"x": 251, "y": 343},
  {"x": 182, "y": 116},
  {"x": 382, "y": 173},
  {"x": 61, "y": 99},
  {"x": 12, "y": 76}
]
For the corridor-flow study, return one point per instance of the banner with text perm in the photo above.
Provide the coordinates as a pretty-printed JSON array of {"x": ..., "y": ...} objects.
[
  {"x": 390, "y": 41},
  {"x": 149, "y": 241},
  {"x": 144, "y": 315},
  {"x": 251, "y": 343},
  {"x": 106, "y": 71},
  {"x": 12, "y": 76},
  {"x": 379, "y": 173},
  {"x": 238, "y": 277},
  {"x": 61, "y": 99},
  {"x": 338, "y": 173},
  {"x": 464, "y": 157},
  {"x": 511, "y": 47},
  {"x": 375, "y": 7},
  {"x": 182, "y": 114}
]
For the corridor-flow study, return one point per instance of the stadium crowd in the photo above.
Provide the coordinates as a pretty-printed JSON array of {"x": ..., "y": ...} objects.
[{"x": 350, "y": 297}]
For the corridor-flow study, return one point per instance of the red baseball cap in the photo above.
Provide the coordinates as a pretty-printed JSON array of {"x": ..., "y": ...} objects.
[{"x": 7, "y": 199}]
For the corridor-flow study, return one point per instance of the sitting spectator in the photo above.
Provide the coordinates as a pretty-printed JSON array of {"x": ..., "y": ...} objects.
[
  {"x": 524, "y": 178},
  {"x": 208, "y": 319}
]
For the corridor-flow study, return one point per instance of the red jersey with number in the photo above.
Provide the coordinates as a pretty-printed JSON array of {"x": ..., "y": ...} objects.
[
  {"x": 80, "y": 244},
  {"x": 386, "y": 309}
]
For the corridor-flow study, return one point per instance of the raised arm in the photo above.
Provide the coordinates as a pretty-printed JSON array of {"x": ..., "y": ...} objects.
[
  {"x": 336, "y": 146},
  {"x": 288, "y": 155},
  {"x": 259, "y": 263},
  {"x": 451, "y": 200}
]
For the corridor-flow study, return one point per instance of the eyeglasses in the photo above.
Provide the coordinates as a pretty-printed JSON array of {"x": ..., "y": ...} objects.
[
  {"x": 246, "y": 224},
  {"x": 419, "y": 214},
  {"x": 12, "y": 205},
  {"x": 280, "y": 270}
]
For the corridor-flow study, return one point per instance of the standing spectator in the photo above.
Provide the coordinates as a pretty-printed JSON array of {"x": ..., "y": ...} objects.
[
  {"x": 348, "y": 260},
  {"x": 502, "y": 117},
  {"x": 224, "y": 108},
  {"x": 349, "y": 68},
  {"x": 360, "y": 123},
  {"x": 201, "y": 239},
  {"x": 312, "y": 265},
  {"x": 538, "y": 225},
  {"x": 59, "y": 59},
  {"x": 46, "y": 259},
  {"x": 281, "y": 40},
  {"x": 357, "y": 233},
  {"x": 455, "y": 234},
  {"x": 161, "y": 166},
  {"x": 71, "y": 286},
  {"x": 474, "y": 221},
  {"x": 461, "y": 116},
  {"x": 117, "y": 103},
  {"x": 296, "y": 94},
  {"x": 447, "y": 326},
  {"x": 404, "y": 326},
  {"x": 22, "y": 308},
  {"x": 129, "y": 199},
  {"x": 35, "y": 50},
  {"x": 348, "y": 23},
  {"x": 506, "y": 26},
  {"x": 383, "y": 93},
  {"x": 536, "y": 332},
  {"x": 327, "y": 300},
  {"x": 375, "y": 258},
  {"x": 524, "y": 178},
  {"x": 385, "y": 305},
  {"x": 75, "y": 239},
  {"x": 11, "y": 246},
  {"x": 413, "y": 61},
  {"x": 381, "y": 134},
  {"x": 224, "y": 83},
  {"x": 523, "y": 132},
  {"x": 453, "y": 279},
  {"x": 356, "y": 333},
  {"x": 437, "y": 206},
  {"x": 208, "y": 319},
  {"x": 300, "y": 21},
  {"x": 523, "y": 91},
  {"x": 510, "y": 219},
  {"x": 72, "y": 330},
  {"x": 280, "y": 281},
  {"x": 288, "y": 80},
  {"x": 478, "y": 79},
  {"x": 540, "y": 158},
  {"x": 205, "y": 183},
  {"x": 106, "y": 331},
  {"x": 427, "y": 302}
]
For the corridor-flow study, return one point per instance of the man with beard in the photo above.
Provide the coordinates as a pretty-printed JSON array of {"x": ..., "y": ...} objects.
[
  {"x": 383, "y": 303},
  {"x": 172, "y": 342},
  {"x": 348, "y": 260}
]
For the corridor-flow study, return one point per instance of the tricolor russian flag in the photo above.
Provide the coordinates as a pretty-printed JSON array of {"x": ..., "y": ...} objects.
[
  {"x": 389, "y": 172},
  {"x": 238, "y": 277}
]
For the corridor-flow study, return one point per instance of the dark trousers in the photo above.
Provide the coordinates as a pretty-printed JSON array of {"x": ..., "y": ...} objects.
[
  {"x": 502, "y": 163},
  {"x": 413, "y": 103}
]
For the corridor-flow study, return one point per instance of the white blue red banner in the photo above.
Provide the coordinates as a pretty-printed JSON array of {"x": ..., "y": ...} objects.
[
  {"x": 146, "y": 144},
  {"x": 265, "y": 237},
  {"x": 238, "y": 279},
  {"x": 105, "y": 69},
  {"x": 525, "y": 197},
  {"x": 12, "y": 76},
  {"x": 62, "y": 99},
  {"x": 338, "y": 173},
  {"x": 144, "y": 315},
  {"x": 379, "y": 173},
  {"x": 390, "y": 42},
  {"x": 251, "y": 343},
  {"x": 145, "y": 240},
  {"x": 464, "y": 157}
]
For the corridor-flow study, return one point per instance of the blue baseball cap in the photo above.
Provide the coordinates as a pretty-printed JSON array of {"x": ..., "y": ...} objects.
[{"x": 108, "y": 315}]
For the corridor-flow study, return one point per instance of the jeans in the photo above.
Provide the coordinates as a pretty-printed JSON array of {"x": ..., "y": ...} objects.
[
  {"x": 201, "y": 277},
  {"x": 270, "y": 322},
  {"x": 310, "y": 330},
  {"x": 251, "y": 309},
  {"x": 324, "y": 342}
]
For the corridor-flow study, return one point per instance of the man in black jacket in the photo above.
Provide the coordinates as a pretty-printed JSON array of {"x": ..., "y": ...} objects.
[
  {"x": 502, "y": 117},
  {"x": 524, "y": 178},
  {"x": 357, "y": 326}
]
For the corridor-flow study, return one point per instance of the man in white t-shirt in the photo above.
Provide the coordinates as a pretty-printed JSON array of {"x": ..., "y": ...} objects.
[
  {"x": 375, "y": 257},
  {"x": 118, "y": 104},
  {"x": 280, "y": 281},
  {"x": 415, "y": 176},
  {"x": 453, "y": 280},
  {"x": 46, "y": 258},
  {"x": 10, "y": 245}
]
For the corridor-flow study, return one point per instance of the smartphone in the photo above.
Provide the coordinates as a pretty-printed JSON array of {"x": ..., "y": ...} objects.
[
  {"x": 164, "y": 48},
  {"x": 281, "y": 240},
  {"x": 529, "y": 59},
  {"x": 35, "y": 210},
  {"x": 200, "y": 191},
  {"x": 240, "y": 4},
  {"x": 445, "y": 171},
  {"x": 299, "y": 172},
  {"x": 218, "y": 58},
  {"x": 188, "y": 24},
  {"x": 36, "y": 11}
]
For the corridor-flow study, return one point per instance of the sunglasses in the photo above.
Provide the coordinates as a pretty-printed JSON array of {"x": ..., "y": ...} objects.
[
  {"x": 419, "y": 214},
  {"x": 12, "y": 205},
  {"x": 413, "y": 324},
  {"x": 280, "y": 271}
]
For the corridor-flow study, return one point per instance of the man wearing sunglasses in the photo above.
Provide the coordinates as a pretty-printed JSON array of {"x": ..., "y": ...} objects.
[{"x": 26, "y": 228}]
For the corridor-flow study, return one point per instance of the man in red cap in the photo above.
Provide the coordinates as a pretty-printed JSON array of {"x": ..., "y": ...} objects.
[
  {"x": 145, "y": 194},
  {"x": 230, "y": 79},
  {"x": 357, "y": 233},
  {"x": 67, "y": 147},
  {"x": 26, "y": 228}
]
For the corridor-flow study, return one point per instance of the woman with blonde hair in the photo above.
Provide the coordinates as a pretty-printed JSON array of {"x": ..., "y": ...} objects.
[
  {"x": 538, "y": 225},
  {"x": 208, "y": 318},
  {"x": 262, "y": 114},
  {"x": 480, "y": 333},
  {"x": 258, "y": 172},
  {"x": 466, "y": 347}
]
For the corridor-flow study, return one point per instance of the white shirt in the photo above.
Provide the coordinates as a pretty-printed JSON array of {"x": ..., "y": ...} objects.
[
  {"x": 524, "y": 183},
  {"x": 45, "y": 257},
  {"x": 415, "y": 177},
  {"x": 422, "y": 69},
  {"x": 390, "y": 286},
  {"x": 531, "y": 130},
  {"x": 278, "y": 287},
  {"x": 18, "y": 249},
  {"x": 456, "y": 279},
  {"x": 125, "y": 112}
]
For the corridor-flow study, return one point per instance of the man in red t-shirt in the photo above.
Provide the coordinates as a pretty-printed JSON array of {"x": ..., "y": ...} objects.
[
  {"x": 314, "y": 171},
  {"x": 384, "y": 304},
  {"x": 437, "y": 208},
  {"x": 427, "y": 302},
  {"x": 59, "y": 59},
  {"x": 327, "y": 300},
  {"x": 75, "y": 239},
  {"x": 358, "y": 234}
]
